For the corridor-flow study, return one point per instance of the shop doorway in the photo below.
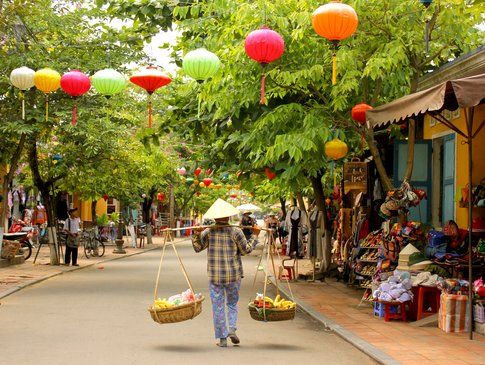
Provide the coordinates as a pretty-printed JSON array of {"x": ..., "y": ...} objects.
[
  {"x": 421, "y": 178},
  {"x": 444, "y": 164}
]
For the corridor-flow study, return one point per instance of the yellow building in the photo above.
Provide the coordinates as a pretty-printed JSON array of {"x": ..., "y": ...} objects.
[{"x": 449, "y": 159}]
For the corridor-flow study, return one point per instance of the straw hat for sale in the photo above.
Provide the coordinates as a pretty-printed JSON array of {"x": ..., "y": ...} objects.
[{"x": 220, "y": 209}]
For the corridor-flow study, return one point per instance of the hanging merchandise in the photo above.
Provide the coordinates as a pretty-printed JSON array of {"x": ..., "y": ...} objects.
[
  {"x": 335, "y": 21},
  {"x": 75, "y": 83},
  {"x": 150, "y": 79},
  {"x": 270, "y": 174},
  {"x": 108, "y": 82},
  {"x": 47, "y": 81},
  {"x": 200, "y": 64},
  {"x": 23, "y": 79},
  {"x": 398, "y": 201},
  {"x": 358, "y": 113},
  {"x": 264, "y": 46}
]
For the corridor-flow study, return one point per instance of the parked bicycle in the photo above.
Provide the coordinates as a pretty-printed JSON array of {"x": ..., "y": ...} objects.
[{"x": 93, "y": 245}]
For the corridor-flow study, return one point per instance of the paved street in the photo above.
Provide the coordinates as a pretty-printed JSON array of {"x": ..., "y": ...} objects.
[{"x": 98, "y": 316}]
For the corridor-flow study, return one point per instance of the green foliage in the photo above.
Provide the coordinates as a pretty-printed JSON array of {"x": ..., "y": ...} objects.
[{"x": 102, "y": 220}]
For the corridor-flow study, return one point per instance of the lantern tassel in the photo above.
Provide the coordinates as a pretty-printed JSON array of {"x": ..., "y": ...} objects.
[
  {"x": 149, "y": 111},
  {"x": 263, "y": 100},
  {"x": 23, "y": 109},
  {"x": 198, "y": 106},
  {"x": 426, "y": 36},
  {"x": 46, "y": 107},
  {"x": 334, "y": 68},
  {"x": 74, "y": 114}
]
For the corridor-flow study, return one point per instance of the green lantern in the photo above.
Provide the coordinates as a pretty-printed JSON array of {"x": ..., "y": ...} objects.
[
  {"x": 201, "y": 64},
  {"x": 108, "y": 82},
  {"x": 189, "y": 181}
]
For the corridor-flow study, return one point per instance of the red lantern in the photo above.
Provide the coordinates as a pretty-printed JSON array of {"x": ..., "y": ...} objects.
[
  {"x": 358, "y": 112},
  {"x": 335, "y": 21},
  {"x": 234, "y": 196},
  {"x": 207, "y": 181},
  {"x": 270, "y": 174},
  {"x": 150, "y": 79},
  {"x": 75, "y": 83},
  {"x": 105, "y": 197},
  {"x": 197, "y": 171},
  {"x": 208, "y": 172},
  {"x": 160, "y": 197},
  {"x": 264, "y": 46}
]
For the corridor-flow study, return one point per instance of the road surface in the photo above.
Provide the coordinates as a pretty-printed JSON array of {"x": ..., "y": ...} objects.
[{"x": 98, "y": 315}]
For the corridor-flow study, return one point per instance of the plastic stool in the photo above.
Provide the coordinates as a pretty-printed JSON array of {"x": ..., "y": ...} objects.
[
  {"x": 400, "y": 309},
  {"x": 379, "y": 310},
  {"x": 290, "y": 270},
  {"x": 428, "y": 297}
]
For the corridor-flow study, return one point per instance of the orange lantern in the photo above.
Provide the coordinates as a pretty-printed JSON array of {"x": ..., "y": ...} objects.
[
  {"x": 335, "y": 21},
  {"x": 336, "y": 149}
]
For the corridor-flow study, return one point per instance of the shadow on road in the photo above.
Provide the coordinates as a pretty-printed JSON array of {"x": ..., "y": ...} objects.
[{"x": 181, "y": 348}]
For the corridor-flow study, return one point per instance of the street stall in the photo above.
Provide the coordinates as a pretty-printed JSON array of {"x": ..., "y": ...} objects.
[{"x": 467, "y": 94}]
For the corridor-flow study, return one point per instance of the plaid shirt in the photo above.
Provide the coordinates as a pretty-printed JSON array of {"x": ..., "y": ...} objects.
[{"x": 225, "y": 245}]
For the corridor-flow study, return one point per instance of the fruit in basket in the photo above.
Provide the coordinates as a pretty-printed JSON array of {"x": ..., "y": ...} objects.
[
  {"x": 277, "y": 302},
  {"x": 162, "y": 304}
]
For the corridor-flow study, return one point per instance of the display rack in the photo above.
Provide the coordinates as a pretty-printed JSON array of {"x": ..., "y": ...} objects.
[{"x": 368, "y": 270}]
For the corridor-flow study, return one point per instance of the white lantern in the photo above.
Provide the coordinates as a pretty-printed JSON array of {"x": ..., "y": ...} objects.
[{"x": 22, "y": 78}]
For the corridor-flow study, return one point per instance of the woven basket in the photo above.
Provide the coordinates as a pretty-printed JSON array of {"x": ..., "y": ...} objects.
[
  {"x": 272, "y": 314},
  {"x": 9, "y": 249},
  {"x": 177, "y": 314}
]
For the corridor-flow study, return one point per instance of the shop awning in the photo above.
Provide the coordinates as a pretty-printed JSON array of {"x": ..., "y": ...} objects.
[{"x": 464, "y": 93}]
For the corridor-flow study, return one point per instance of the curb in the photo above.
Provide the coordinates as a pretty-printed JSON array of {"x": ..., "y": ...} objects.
[
  {"x": 375, "y": 353},
  {"x": 17, "y": 288}
]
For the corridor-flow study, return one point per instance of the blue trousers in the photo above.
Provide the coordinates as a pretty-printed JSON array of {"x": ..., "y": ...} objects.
[{"x": 222, "y": 296}]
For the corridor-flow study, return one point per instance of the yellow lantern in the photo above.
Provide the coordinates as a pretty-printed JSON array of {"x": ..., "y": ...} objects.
[
  {"x": 336, "y": 149},
  {"x": 47, "y": 81},
  {"x": 202, "y": 185}
]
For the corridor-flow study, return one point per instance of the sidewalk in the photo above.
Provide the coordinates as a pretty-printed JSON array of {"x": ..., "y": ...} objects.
[
  {"x": 16, "y": 277},
  {"x": 336, "y": 305}
]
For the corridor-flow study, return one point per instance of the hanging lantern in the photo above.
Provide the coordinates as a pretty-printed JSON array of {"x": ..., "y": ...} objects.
[
  {"x": 160, "y": 197},
  {"x": 358, "y": 113},
  {"x": 150, "y": 79},
  {"x": 336, "y": 149},
  {"x": 264, "y": 46},
  {"x": 270, "y": 174},
  {"x": 208, "y": 172},
  {"x": 22, "y": 78},
  {"x": 47, "y": 81},
  {"x": 75, "y": 83},
  {"x": 200, "y": 64},
  {"x": 426, "y": 3},
  {"x": 335, "y": 21},
  {"x": 233, "y": 196},
  {"x": 225, "y": 176},
  {"x": 207, "y": 181},
  {"x": 197, "y": 171},
  {"x": 182, "y": 171},
  {"x": 108, "y": 82},
  {"x": 105, "y": 197},
  {"x": 201, "y": 184},
  {"x": 189, "y": 181}
]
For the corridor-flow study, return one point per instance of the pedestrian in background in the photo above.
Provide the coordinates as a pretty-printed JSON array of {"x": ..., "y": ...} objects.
[
  {"x": 71, "y": 228},
  {"x": 225, "y": 244},
  {"x": 247, "y": 221}
]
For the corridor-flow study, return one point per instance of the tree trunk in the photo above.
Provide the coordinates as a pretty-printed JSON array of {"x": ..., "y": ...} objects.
[
  {"x": 385, "y": 181},
  {"x": 320, "y": 201},
  {"x": 283, "y": 206},
  {"x": 301, "y": 202},
  {"x": 44, "y": 188},
  {"x": 411, "y": 143},
  {"x": 94, "y": 216}
]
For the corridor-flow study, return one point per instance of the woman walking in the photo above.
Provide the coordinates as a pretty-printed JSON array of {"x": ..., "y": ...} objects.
[{"x": 225, "y": 245}]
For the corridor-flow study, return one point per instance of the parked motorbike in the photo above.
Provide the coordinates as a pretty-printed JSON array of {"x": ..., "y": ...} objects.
[{"x": 23, "y": 234}]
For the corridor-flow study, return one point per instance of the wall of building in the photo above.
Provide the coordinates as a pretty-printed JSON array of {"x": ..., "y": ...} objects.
[{"x": 433, "y": 130}]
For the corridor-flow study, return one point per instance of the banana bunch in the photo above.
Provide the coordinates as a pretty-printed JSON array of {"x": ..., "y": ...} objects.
[
  {"x": 279, "y": 302},
  {"x": 162, "y": 304}
]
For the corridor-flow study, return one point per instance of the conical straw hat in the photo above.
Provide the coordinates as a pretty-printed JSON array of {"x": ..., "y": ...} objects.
[{"x": 220, "y": 209}]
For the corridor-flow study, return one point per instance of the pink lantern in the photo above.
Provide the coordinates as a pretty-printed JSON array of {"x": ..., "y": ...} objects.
[
  {"x": 75, "y": 83},
  {"x": 182, "y": 171}
]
